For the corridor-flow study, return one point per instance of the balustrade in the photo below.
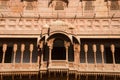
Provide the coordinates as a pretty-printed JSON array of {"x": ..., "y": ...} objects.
[
  {"x": 86, "y": 66},
  {"x": 13, "y": 65}
]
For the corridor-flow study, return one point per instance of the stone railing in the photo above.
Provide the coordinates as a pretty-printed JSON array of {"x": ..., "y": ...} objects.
[
  {"x": 19, "y": 67},
  {"x": 13, "y": 65},
  {"x": 82, "y": 67},
  {"x": 59, "y": 64},
  {"x": 99, "y": 67}
]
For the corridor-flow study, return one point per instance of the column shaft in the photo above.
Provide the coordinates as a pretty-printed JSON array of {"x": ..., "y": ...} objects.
[
  {"x": 22, "y": 52},
  {"x": 50, "y": 54},
  {"x": 31, "y": 50},
  {"x": 113, "y": 51},
  {"x": 66, "y": 54},
  {"x": 86, "y": 50},
  {"x": 14, "y": 51},
  {"x": 4, "y": 51}
]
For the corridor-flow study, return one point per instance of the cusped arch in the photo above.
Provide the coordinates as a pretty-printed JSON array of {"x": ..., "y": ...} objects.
[
  {"x": 62, "y": 36},
  {"x": 68, "y": 37}
]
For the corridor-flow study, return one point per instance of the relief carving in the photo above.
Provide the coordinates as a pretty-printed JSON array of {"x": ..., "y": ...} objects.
[{"x": 17, "y": 7}]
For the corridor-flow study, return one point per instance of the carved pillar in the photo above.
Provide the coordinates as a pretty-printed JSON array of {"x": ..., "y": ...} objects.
[
  {"x": 94, "y": 50},
  {"x": 14, "y": 51},
  {"x": 66, "y": 53},
  {"x": 67, "y": 44},
  {"x": 102, "y": 52},
  {"x": 31, "y": 50},
  {"x": 76, "y": 53},
  {"x": 86, "y": 50},
  {"x": 113, "y": 51},
  {"x": 50, "y": 44},
  {"x": 41, "y": 53},
  {"x": 50, "y": 54},
  {"x": 41, "y": 57},
  {"x": 4, "y": 51},
  {"x": 22, "y": 52}
]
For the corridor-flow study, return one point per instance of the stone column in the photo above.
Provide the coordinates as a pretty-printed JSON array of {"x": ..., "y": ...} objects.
[
  {"x": 67, "y": 44},
  {"x": 94, "y": 50},
  {"x": 14, "y": 51},
  {"x": 4, "y": 51},
  {"x": 113, "y": 51},
  {"x": 50, "y": 54},
  {"x": 76, "y": 53},
  {"x": 102, "y": 54},
  {"x": 50, "y": 44},
  {"x": 22, "y": 52},
  {"x": 31, "y": 50},
  {"x": 86, "y": 50},
  {"x": 40, "y": 56},
  {"x": 66, "y": 47}
]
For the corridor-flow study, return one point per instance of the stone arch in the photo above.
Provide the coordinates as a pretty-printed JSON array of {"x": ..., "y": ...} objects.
[
  {"x": 67, "y": 50},
  {"x": 60, "y": 35}
]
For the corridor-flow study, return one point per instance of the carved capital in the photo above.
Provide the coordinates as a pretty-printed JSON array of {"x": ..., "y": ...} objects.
[
  {"x": 50, "y": 42},
  {"x": 66, "y": 44},
  {"x": 31, "y": 47},
  {"x": 94, "y": 48},
  {"x": 113, "y": 48},
  {"x": 102, "y": 48},
  {"x": 86, "y": 48},
  {"x": 4, "y": 48},
  {"x": 22, "y": 47},
  {"x": 15, "y": 48},
  {"x": 77, "y": 47}
]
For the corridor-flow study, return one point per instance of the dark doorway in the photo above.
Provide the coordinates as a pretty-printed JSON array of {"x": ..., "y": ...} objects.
[{"x": 58, "y": 53}]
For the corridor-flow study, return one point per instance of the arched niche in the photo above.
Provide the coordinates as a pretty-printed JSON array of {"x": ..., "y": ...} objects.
[{"x": 58, "y": 51}]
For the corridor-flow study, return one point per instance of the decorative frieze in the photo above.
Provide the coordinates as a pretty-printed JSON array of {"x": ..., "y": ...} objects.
[{"x": 79, "y": 25}]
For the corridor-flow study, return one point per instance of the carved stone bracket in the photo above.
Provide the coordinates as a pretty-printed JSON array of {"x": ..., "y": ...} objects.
[{"x": 50, "y": 42}]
